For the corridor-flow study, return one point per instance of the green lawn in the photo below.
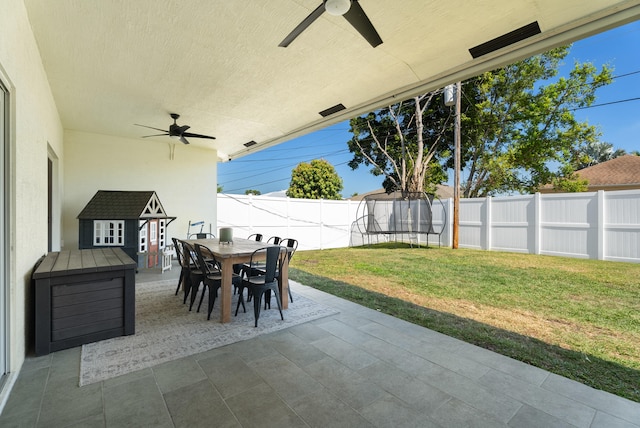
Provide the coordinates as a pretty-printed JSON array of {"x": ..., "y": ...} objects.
[{"x": 577, "y": 318}]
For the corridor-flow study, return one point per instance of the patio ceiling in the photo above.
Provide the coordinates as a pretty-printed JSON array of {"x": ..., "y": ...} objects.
[{"x": 112, "y": 64}]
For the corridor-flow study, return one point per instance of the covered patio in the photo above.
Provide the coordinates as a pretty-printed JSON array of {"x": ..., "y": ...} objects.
[
  {"x": 82, "y": 82},
  {"x": 358, "y": 368}
]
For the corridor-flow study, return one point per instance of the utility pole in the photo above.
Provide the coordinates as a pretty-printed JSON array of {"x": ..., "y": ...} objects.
[{"x": 456, "y": 166}]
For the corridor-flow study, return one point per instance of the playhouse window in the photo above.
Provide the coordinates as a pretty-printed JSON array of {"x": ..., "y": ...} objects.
[
  {"x": 153, "y": 232},
  {"x": 108, "y": 232}
]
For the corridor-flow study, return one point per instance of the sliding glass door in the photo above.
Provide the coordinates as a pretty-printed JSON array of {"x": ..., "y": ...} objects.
[{"x": 4, "y": 246}]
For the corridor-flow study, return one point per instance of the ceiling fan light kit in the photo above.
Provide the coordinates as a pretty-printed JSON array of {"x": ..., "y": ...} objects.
[{"x": 337, "y": 7}]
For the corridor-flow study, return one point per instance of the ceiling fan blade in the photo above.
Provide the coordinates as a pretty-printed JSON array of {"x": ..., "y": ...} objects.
[
  {"x": 151, "y": 127},
  {"x": 184, "y": 140},
  {"x": 191, "y": 135},
  {"x": 302, "y": 26},
  {"x": 359, "y": 20},
  {"x": 155, "y": 135}
]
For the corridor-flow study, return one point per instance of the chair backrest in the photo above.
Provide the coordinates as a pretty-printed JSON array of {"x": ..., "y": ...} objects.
[
  {"x": 210, "y": 266},
  {"x": 274, "y": 240},
  {"x": 291, "y": 244},
  {"x": 271, "y": 265},
  {"x": 202, "y": 235},
  {"x": 190, "y": 255},
  {"x": 177, "y": 244},
  {"x": 256, "y": 237}
]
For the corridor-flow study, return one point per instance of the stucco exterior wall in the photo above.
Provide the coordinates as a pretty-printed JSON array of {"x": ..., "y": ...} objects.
[
  {"x": 36, "y": 133},
  {"x": 186, "y": 184}
]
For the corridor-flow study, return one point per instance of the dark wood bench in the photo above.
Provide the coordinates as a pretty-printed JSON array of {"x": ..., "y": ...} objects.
[{"x": 82, "y": 296}]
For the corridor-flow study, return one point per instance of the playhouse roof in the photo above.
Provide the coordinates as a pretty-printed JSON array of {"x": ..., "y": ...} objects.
[{"x": 123, "y": 205}]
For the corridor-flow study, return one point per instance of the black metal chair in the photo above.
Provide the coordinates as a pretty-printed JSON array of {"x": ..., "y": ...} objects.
[
  {"x": 185, "y": 269},
  {"x": 212, "y": 278},
  {"x": 270, "y": 259},
  {"x": 255, "y": 237},
  {"x": 196, "y": 273},
  {"x": 275, "y": 240}
]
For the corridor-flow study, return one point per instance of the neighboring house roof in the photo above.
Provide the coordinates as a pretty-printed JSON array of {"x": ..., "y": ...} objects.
[
  {"x": 123, "y": 205},
  {"x": 621, "y": 173},
  {"x": 442, "y": 192}
]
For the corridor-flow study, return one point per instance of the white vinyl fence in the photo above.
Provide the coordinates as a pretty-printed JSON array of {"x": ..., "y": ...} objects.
[{"x": 596, "y": 225}]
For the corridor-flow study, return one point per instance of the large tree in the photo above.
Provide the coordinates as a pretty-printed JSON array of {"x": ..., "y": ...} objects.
[
  {"x": 518, "y": 130},
  {"x": 315, "y": 180},
  {"x": 401, "y": 142}
]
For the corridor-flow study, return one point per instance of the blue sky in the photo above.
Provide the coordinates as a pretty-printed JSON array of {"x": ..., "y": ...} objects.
[{"x": 616, "y": 113}]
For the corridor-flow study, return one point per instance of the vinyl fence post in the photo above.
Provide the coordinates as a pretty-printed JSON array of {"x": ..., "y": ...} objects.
[
  {"x": 537, "y": 222},
  {"x": 488, "y": 225},
  {"x": 601, "y": 224}
]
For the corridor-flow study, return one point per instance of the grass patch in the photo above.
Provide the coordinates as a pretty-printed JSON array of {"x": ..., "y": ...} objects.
[{"x": 577, "y": 318}]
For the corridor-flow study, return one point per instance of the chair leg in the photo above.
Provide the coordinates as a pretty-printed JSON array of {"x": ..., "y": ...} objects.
[
  {"x": 275, "y": 291},
  {"x": 213, "y": 293},
  {"x": 290, "y": 296},
  {"x": 240, "y": 300},
  {"x": 180, "y": 281},
  {"x": 257, "y": 300},
  {"x": 195, "y": 285},
  {"x": 204, "y": 288}
]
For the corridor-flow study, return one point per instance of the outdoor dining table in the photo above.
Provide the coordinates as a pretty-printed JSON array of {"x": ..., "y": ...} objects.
[{"x": 237, "y": 252}]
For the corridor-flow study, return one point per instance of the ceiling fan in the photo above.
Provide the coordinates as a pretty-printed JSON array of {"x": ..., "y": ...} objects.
[
  {"x": 351, "y": 11},
  {"x": 176, "y": 131}
]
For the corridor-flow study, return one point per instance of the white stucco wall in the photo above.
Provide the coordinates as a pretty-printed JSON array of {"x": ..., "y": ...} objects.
[
  {"x": 186, "y": 184},
  {"x": 35, "y": 131}
]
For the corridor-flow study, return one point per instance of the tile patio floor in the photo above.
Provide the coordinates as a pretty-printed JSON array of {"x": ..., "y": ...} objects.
[{"x": 359, "y": 368}]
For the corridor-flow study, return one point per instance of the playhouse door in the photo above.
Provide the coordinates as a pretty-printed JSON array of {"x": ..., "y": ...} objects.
[{"x": 154, "y": 246}]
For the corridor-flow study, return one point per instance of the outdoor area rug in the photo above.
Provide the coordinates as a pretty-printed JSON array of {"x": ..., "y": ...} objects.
[{"x": 166, "y": 330}]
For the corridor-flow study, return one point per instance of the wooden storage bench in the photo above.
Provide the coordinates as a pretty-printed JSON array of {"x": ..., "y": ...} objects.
[{"x": 83, "y": 296}]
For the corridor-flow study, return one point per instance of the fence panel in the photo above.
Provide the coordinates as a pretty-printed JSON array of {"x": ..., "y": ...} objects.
[{"x": 602, "y": 225}]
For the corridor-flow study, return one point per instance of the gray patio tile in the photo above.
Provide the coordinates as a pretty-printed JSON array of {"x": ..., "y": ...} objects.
[
  {"x": 309, "y": 331},
  {"x": 250, "y": 350},
  {"x": 344, "y": 352},
  {"x": 96, "y": 421},
  {"x": 605, "y": 420},
  {"x": 518, "y": 369},
  {"x": 528, "y": 417},
  {"x": 455, "y": 414},
  {"x": 549, "y": 402},
  {"x": 261, "y": 407},
  {"x": 64, "y": 402},
  {"x": 401, "y": 358},
  {"x": 345, "y": 383},
  {"x": 389, "y": 335},
  {"x": 229, "y": 374},
  {"x": 287, "y": 379},
  {"x": 126, "y": 378},
  {"x": 601, "y": 400},
  {"x": 199, "y": 405},
  {"x": 26, "y": 396},
  {"x": 346, "y": 332},
  {"x": 177, "y": 374},
  {"x": 322, "y": 409},
  {"x": 405, "y": 387},
  {"x": 296, "y": 349},
  {"x": 36, "y": 363},
  {"x": 454, "y": 362},
  {"x": 393, "y": 413},
  {"x": 136, "y": 403},
  {"x": 65, "y": 363},
  {"x": 499, "y": 404}
]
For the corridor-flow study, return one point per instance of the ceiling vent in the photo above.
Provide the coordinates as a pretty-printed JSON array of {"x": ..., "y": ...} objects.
[
  {"x": 506, "y": 40},
  {"x": 250, "y": 143},
  {"x": 331, "y": 110}
]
